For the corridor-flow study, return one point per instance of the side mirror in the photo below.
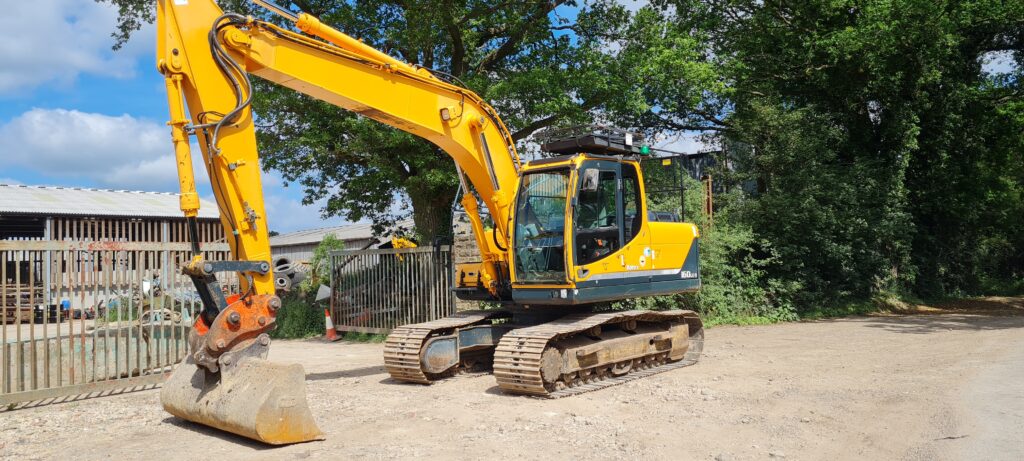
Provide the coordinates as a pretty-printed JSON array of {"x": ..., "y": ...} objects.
[{"x": 590, "y": 180}]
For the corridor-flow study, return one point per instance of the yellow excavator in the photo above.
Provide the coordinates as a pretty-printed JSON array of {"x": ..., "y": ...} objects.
[{"x": 566, "y": 235}]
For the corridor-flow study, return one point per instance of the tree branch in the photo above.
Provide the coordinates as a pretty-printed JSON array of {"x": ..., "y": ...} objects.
[
  {"x": 688, "y": 127},
  {"x": 483, "y": 12},
  {"x": 458, "y": 58},
  {"x": 489, "y": 34},
  {"x": 307, "y": 7},
  {"x": 494, "y": 57},
  {"x": 711, "y": 118},
  {"x": 535, "y": 125}
]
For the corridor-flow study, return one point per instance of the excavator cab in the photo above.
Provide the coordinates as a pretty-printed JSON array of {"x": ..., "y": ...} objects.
[{"x": 582, "y": 231}]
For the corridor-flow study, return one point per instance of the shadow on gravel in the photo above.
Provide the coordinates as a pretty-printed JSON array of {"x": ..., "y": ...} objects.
[
  {"x": 353, "y": 373},
  {"x": 932, "y": 323},
  {"x": 495, "y": 390},
  {"x": 394, "y": 382},
  {"x": 74, "y": 398},
  {"x": 970, "y": 314},
  {"x": 217, "y": 433}
]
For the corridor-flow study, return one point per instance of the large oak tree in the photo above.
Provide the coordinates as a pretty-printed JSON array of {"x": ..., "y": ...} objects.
[{"x": 540, "y": 63}]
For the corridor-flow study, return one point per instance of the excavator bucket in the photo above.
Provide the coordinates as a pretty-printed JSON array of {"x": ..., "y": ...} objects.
[{"x": 255, "y": 398}]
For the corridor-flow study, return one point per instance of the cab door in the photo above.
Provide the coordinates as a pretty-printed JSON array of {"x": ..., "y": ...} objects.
[
  {"x": 539, "y": 231},
  {"x": 609, "y": 232}
]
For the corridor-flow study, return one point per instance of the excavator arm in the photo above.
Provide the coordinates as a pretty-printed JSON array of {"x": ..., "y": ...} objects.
[{"x": 206, "y": 57}]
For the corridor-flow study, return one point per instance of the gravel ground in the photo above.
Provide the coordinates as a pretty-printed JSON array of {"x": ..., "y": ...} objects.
[{"x": 944, "y": 385}]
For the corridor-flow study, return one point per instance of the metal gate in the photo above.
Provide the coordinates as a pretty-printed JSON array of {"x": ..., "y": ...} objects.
[
  {"x": 82, "y": 317},
  {"x": 373, "y": 291}
]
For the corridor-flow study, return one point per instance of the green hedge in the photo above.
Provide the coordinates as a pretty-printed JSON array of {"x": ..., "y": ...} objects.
[{"x": 299, "y": 317}]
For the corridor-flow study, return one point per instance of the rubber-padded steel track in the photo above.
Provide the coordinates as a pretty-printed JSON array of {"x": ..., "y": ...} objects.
[
  {"x": 402, "y": 347},
  {"x": 517, "y": 359}
]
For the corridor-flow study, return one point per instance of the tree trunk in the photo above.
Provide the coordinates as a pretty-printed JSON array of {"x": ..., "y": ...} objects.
[{"x": 432, "y": 212}]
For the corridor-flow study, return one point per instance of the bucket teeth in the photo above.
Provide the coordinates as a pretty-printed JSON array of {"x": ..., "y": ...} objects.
[{"x": 255, "y": 398}]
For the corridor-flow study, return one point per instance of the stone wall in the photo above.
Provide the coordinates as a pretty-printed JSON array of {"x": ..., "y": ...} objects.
[{"x": 464, "y": 250}]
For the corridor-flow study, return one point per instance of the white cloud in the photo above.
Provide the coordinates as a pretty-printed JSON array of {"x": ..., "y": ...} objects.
[
  {"x": 125, "y": 152},
  {"x": 10, "y": 181},
  {"x": 55, "y": 41},
  {"x": 121, "y": 152}
]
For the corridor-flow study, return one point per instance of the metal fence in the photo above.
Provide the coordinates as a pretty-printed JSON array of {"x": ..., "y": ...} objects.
[
  {"x": 373, "y": 291},
  {"x": 82, "y": 317}
]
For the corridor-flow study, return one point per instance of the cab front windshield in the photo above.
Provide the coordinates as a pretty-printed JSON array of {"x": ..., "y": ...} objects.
[{"x": 540, "y": 227}]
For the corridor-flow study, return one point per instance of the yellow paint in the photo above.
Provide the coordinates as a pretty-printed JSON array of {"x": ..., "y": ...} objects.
[
  {"x": 667, "y": 243},
  {"x": 401, "y": 242}
]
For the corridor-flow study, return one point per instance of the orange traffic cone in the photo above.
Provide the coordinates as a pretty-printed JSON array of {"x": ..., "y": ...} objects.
[{"x": 331, "y": 334}]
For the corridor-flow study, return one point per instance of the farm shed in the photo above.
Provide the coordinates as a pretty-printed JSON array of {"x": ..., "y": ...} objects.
[
  {"x": 60, "y": 213},
  {"x": 298, "y": 246},
  {"x": 44, "y": 213}
]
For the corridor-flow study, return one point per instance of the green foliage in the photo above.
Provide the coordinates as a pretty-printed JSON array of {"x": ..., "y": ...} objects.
[
  {"x": 118, "y": 309},
  {"x": 320, "y": 265},
  {"x": 299, "y": 317},
  {"x": 735, "y": 284},
  {"x": 364, "y": 337},
  {"x": 843, "y": 310},
  {"x": 837, "y": 227},
  {"x": 884, "y": 158}
]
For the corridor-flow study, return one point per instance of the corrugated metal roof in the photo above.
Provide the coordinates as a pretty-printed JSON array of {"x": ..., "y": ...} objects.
[
  {"x": 358, "y": 231},
  {"x": 74, "y": 201}
]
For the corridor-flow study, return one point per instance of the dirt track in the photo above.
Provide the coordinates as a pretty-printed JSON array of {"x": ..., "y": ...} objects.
[{"x": 947, "y": 386}]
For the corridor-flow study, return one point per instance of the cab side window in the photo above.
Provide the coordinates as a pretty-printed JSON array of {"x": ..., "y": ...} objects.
[
  {"x": 632, "y": 216},
  {"x": 597, "y": 220}
]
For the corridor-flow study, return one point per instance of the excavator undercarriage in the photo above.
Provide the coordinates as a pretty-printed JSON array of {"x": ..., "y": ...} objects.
[{"x": 569, "y": 355}]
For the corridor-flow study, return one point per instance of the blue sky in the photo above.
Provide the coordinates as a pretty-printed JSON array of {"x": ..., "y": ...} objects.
[{"x": 75, "y": 113}]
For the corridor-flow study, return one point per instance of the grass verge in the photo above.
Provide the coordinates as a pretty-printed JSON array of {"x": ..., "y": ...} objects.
[
  {"x": 363, "y": 337},
  {"x": 885, "y": 304}
]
